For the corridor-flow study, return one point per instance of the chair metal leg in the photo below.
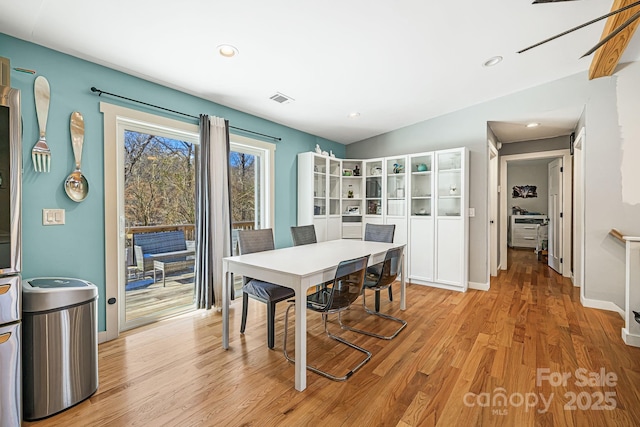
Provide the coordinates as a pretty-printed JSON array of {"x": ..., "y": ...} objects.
[
  {"x": 377, "y": 303},
  {"x": 390, "y": 294},
  {"x": 271, "y": 320},
  {"x": 403, "y": 323},
  {"x": 245, "y": 304},
  {"x": 336, "y": 338}
]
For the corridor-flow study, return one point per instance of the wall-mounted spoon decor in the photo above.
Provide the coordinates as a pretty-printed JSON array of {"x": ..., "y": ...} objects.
[{"x": 76, "y": 185}]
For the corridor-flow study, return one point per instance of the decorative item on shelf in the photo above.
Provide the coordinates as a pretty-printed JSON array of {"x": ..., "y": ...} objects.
[
  {"x": 453, "y": 189},
  {"x": 398, "y": 168},
  {"x": 353, "y": 210},
  {"x": 316, "y": 210},
  {"x": 356, "y": 171},
  {"x": 350, "y": 192},
  {"x": 422, "y": 167},
  {"x": 376, "y": 170},
  {"x": 347, "y": 172},
  {"x": 318, "y": 149},
  {"x": 325, "y": 153},
  {"x": 400, "y": 193},
  {"x": 331, "y": 154}
]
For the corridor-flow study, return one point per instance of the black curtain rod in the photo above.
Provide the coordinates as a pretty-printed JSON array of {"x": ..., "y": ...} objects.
[{"x": 100, "y": 92}]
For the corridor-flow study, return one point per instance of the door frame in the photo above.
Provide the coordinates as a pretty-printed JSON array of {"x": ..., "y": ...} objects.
[
  {"x": 579, "y": 211},
  {"x": 493, "y": 209},
  {"x": 114, "y": 227},
  {"x": 566, "y": 202},
  {"x": 556, "y": 225}
]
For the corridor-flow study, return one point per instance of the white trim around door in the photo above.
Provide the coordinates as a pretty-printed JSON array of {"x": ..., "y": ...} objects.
[{"x": 566, "y": 202}]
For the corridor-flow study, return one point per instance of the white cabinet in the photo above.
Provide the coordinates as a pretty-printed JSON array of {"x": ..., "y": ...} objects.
[
  {"x": 424, "y": 194},
  {"x": 386, "y": 189},
  {"x": 319, "y": 189},
  {"x": 352, "y": 200},
  {"x": 523, "y": 230},
  {"x": 421, "y": 229},
  {"x": 438, "y": 224}
]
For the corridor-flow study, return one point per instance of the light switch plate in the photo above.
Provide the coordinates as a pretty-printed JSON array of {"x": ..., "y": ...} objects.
[
  {"x": 52, "y": 216},
  {"x": 472, "y": 212}
]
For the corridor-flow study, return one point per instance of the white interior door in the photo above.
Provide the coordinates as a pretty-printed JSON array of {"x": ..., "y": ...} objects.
[{"x": 555, "y": 215}]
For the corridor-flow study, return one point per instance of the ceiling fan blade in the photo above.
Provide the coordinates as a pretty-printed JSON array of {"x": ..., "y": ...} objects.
[
  {"x": 614, "y": 33},
  {"x": 614, "y": 12}
]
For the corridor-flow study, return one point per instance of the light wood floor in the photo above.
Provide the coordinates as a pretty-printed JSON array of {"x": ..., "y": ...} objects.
[{"x": 457, "y": 357}]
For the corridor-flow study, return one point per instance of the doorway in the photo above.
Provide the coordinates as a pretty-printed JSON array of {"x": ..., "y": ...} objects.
[
  {"x": 562, "y": 223},
  {"x": 159, "y": 214}
]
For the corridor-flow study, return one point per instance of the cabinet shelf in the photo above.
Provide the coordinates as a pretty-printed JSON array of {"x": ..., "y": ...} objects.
[
  {"x": 421, "y": 197},
  {"x": 448, "y": 197}
]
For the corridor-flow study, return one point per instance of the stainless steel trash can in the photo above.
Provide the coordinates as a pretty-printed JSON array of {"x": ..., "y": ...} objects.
[{"x": 60, "y": 344}]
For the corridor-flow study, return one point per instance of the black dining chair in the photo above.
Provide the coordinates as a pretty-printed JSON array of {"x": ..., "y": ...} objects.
[
  {"x": 250, "y": 241},
  {"x": 336, "y": 298},
  {"x": 391, "y": 267},
  {"x": 379, "y": 233},
  {"x": 303, "y": 235}
]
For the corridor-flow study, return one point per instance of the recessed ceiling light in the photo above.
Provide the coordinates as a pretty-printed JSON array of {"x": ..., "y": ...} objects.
[
  {"x": 492, "y": 61},
  {"x": 354, "y": 115},
  {"x": 533, "y": 125},
  {"x": 227, "y": 50}
]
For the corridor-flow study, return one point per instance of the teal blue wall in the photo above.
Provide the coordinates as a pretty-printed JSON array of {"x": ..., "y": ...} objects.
[{"x": 76, "y": 249}]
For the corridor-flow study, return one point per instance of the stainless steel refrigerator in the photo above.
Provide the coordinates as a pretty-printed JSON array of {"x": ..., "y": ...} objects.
[{"x": 10, "y": 252}]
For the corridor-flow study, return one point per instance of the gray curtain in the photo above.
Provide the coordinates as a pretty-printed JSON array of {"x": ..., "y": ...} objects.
[{"x": 213, "y": 213}]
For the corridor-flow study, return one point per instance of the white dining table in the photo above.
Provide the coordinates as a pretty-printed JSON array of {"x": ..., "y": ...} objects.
[{"x": 299, "y": 268}]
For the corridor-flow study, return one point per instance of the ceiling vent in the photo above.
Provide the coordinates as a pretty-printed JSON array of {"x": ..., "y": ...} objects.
[{"x": 281, "y": 99}]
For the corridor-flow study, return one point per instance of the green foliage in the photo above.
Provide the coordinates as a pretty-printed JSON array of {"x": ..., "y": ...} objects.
[
  {"x": 160, "y": 183},
  {"x": 159, "y": 180}
]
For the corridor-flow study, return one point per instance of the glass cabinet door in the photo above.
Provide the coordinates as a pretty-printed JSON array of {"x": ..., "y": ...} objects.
[
  {"x": 421, "y": 180},
  {"x": 373, "y": 187},
  {"x": 319, "y": 186},
  {"x": 396, "y": 186},
  {"x": 449, "y": 166},
  {"x": 334, "y": 186}
]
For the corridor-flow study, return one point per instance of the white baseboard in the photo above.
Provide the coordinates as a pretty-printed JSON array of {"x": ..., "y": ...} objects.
[
  {"x": 102, "y": 337},
  {"x": 479, "y": 286},
  {"x": 437, "y": 285},
  {"x": 630, "y": 339},
  {"x": 601, "y": 305}
]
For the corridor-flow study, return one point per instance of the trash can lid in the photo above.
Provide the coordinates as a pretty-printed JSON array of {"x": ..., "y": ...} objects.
[{"x": 51, "y": 293}]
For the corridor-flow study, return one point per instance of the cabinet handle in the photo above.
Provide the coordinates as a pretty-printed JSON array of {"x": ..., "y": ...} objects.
[
  {"x": 5, "y": 337},
  {"x": 4, "y": 289},
  {"x": 529, "y": 228},
  {"x": 529, "y": 238}
]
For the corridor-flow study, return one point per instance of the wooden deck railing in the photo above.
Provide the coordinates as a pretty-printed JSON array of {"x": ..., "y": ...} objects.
[{"x": 189, "y": 229}]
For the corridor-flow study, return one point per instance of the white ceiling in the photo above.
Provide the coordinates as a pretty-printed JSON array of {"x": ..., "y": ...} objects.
[{"x": 395, "y": 62}]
